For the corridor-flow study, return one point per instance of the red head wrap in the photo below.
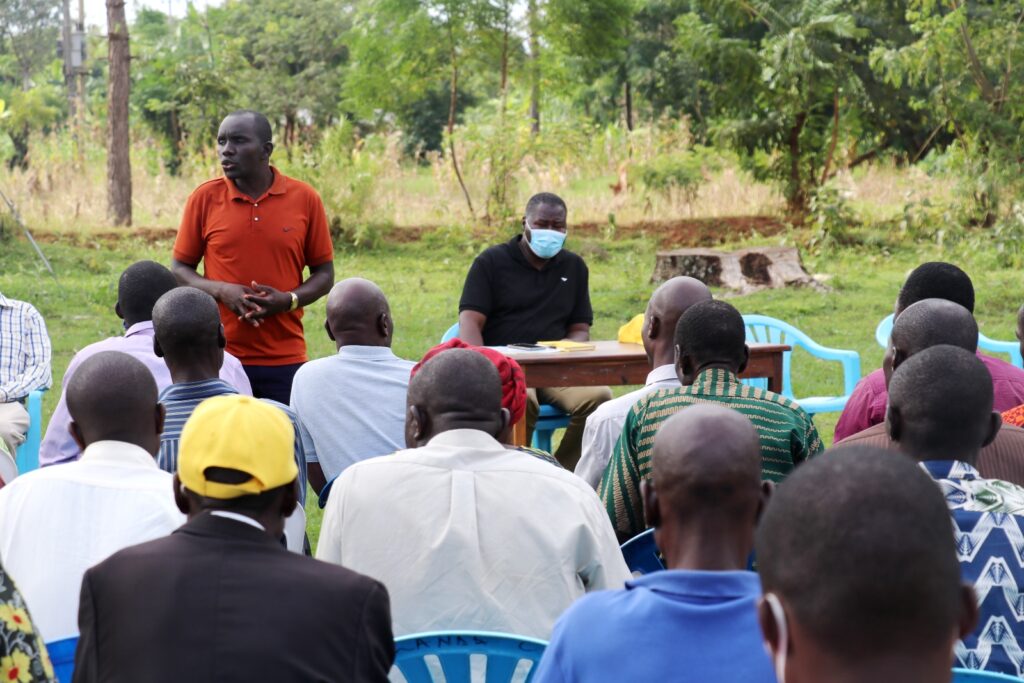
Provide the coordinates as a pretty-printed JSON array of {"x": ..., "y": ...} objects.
[{"x": 513, "y": 381}]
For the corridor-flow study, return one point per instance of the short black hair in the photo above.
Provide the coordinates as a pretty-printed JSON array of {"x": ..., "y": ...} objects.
[
  {"x": 858, "y": 544},
  {"x": 186, "y": 320},
  {"x": 139, "y": 287},
  {"x": 711, "y": 331},
  {"x": 459, "y": 382},
  {"x": 545, "y": 199},
  {"x": 937, "y": 280},
  {"x": 944, "y": 397},
  {"x": 263, "y": 128}
]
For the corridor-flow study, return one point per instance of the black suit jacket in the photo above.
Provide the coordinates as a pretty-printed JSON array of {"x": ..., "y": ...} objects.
[{"x": 221, "y": 601}]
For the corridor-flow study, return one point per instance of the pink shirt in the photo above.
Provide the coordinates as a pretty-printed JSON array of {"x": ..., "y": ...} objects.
[
  {"x": 58, "y": 446},
  {"x": 866, "y": 406}
]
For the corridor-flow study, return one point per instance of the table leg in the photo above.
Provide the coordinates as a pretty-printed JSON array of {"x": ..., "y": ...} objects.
[
  {"x": 775, "y": 381},
  {"x": 519, "y": 433}
]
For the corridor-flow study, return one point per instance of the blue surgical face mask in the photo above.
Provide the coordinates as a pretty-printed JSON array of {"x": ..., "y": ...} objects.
[{"x": 545, "y": 243}]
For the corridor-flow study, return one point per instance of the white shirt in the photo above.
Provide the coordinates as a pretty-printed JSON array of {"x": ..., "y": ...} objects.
[
  {"x": 604, "y": 425},
  {"x": 58, "y": 521},
  {"x": 469, "y": 535}
]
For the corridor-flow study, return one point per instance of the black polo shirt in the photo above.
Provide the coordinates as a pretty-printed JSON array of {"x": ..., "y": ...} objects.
[{"x": 523, "y": 304}]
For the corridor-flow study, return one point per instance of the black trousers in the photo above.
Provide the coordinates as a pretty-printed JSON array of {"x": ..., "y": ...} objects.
[{"x": 272, "y": 381}]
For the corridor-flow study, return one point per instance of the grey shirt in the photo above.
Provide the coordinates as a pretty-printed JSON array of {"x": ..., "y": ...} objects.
[{"x": 351, "y": 406}]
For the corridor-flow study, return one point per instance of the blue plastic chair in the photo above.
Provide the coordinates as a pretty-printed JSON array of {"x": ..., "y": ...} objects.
[
  {"x": 971, "y": 676},
  {"x": 641, "y": 553},
  {"x": 1010, "y": 348},
  {"x": 28, "y": 452},
  {"x": 503, "y": 651},
  {"x": 62, "y": 656},
  {"x": 765, "y": 330},
  {"x": 549, "y": 418}
]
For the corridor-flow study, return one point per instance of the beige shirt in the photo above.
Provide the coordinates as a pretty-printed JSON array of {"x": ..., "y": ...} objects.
[{"x": 469, "y": 535}]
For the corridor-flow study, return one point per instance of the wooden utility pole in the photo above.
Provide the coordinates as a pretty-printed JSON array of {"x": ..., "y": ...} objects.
[
  {"x": 119, "y": 168},
  {"x": 532, "y": 22}
]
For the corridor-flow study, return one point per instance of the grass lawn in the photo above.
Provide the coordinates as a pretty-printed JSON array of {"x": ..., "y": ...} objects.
[{"x": 423, "y": 280}]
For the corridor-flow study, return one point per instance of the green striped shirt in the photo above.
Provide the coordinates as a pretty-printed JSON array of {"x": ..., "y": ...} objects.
[{"x": 788, "y": 437}]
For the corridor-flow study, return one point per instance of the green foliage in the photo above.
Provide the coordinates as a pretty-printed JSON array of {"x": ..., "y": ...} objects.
[
  {"x": 679, "y": 175},
  {"x": 831, "y": 219}
]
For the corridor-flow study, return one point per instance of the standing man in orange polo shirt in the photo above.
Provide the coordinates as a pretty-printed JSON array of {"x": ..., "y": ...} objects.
[{"x": 255, "y": 230}]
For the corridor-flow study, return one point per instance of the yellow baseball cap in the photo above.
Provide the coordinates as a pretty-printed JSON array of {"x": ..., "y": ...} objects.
[{"x": 239, "y": 433}]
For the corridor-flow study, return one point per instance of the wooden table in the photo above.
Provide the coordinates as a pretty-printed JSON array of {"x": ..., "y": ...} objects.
[{"x": 615, "y": 363}]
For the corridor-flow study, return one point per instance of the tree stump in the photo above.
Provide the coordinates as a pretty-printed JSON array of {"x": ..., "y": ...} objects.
[{"x": 746, "y": 270}]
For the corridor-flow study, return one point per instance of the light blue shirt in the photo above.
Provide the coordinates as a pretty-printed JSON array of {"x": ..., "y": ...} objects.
[
  {"x": 351, "y": 406},
  {"x": 665, "y": 626}
]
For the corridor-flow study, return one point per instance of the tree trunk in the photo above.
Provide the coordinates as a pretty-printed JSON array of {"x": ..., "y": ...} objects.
[
  {"x": 119, "y": 169},
  {"x": 796, "y": 195},
  {"x": 629, "y": 105},
  {"x": 531, "y": 11},
  {"x": 453, "y": 101}
]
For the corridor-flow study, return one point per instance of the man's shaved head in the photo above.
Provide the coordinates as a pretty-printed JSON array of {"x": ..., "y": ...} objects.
[
  {"x": 940, "y": 405},
  {"x": 456, "y": 389},
  {"x": 936, "y": 280},
  {"x": 931, "y": 322},
  {"x": 711, "y": 332},
  {"x": 664, "y": 309},
  {"x": 260, "y": 123},
  {"x": 138, "y": 289},
  {"x": 857, "y": 544},
  {"x": 186, "y": 320},
  {"x": 707, "y": 460},
  {"x": 113, "y": 396},
  {"x": 358, "y": 314}
]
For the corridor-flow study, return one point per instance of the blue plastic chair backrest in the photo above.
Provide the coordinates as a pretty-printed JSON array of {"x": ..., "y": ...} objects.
[
  {"x": 62, "y": 656},
  {"x": 27, "y": 455},
  {"x": 453, "y": 650},
  {"x": 970, "y": 676},
  {"x": 641, "y": 553},
  {"x": 763, "y": 329},
  {"x": 883, "y": 331},
  {"x": 451, "y": 333}
]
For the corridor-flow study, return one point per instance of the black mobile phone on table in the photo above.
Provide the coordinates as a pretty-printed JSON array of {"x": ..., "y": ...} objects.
[{"x": 526, "y": 347}]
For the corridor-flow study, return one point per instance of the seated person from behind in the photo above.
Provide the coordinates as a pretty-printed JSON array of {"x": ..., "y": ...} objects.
[
  {"x": 220, "y": 599},
  {"x": 351, "y": 406},
  {"x": 56, "y": 522},
  {"x": 24, "y": 366},
  {"x": 699, "y": 616},
  {"x": 859, "y": 573},
  {"x": 946, "y": 436},
  {"x": 934, "y": 280},
  {"x": 138, "y": 289},
  {"x": 23, "y": 655},
  {"x": 465, "y": 533},
  {"x": 604, "y": 426},
  {"x": 711, "y": 350},
  {"x": 929, "y": 323},
  {"x": 190, "y": 338},
  {"x": 530, "y": 289},
  {"x": 1015, "y": 416}
]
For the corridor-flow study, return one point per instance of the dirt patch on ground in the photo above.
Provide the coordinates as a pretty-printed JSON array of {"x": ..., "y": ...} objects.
[{"x": 691, "y": 232}]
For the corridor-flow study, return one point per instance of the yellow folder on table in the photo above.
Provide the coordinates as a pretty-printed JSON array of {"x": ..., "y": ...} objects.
[{"x": 567, "y": 345}]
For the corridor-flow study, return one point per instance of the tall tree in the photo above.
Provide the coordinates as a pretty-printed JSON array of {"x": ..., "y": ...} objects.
[
  {"x": 30, "y": 27},
  {"x": 119, "y": 169}
]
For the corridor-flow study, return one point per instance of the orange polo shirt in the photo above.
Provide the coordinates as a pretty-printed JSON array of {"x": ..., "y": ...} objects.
[{"x": 270, "y": 240}]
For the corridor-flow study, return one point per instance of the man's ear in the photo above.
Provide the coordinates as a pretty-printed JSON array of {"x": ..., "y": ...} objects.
[
  {"x": 653, "y": 327},
  {"x": 505, "y": 430},
  {"x": 415, "y": 426},
  {"x": 76, "y": 434},
  {"x": 769, "y": 628},
  {"x": 767, "y": 491},
  {"x": 156, "y": 348},
  {"x": 649, "y": 499},
  {"x": 968, "y": 611},
  {"x": 117, "y": 310},
  {"x": 893, "y": 423},
  {"x": 327, "y": 327},
  {"x": 995, "y": 423},
  {"x": 268, "y": 148},
  {"x": 222, "y": 339},
  {"x": 180, "y": 497},
  {"x": 384, "y": 325},
  {"x": 290, "y": 499},
  {"x": 746, "y": 358}
]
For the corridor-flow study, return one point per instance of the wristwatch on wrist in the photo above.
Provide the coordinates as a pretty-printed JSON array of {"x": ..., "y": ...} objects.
[{"x": 295, "y": 301}]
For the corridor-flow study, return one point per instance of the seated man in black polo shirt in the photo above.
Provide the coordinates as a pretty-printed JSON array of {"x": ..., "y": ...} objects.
[{"x": 528, "y": 290}]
